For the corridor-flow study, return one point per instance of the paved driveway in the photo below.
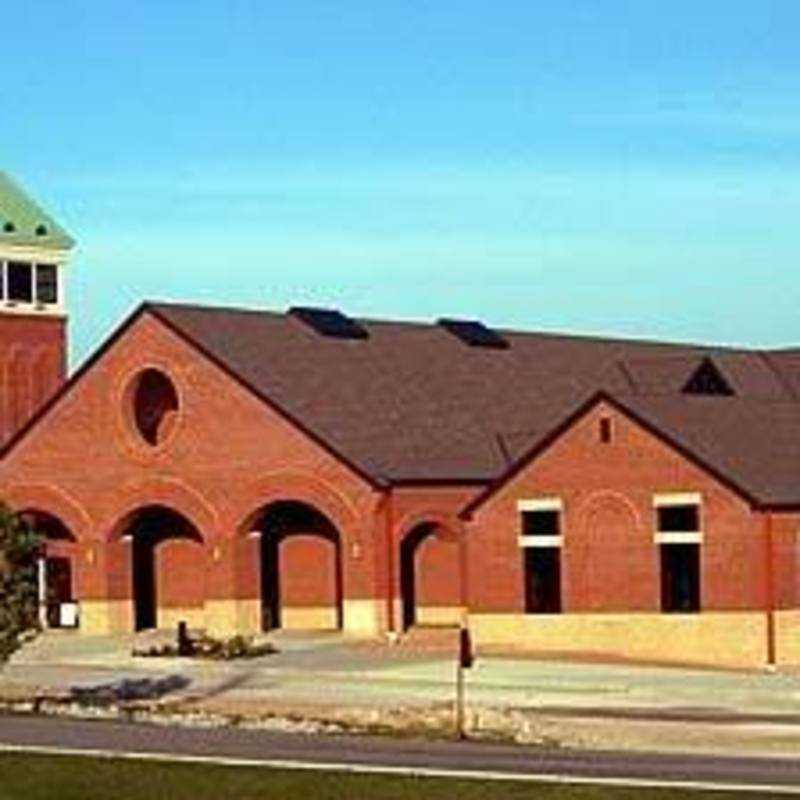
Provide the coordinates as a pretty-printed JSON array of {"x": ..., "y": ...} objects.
[{"x": 330, "y": 669}]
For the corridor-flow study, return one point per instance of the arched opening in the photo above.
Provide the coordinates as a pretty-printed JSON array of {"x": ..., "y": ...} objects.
[
  {"x": 167, "y": 565},
  {"x": 430, "y": 576},
  {"x": 301, "y": 568},
  {"x": 56, "y": 569}
]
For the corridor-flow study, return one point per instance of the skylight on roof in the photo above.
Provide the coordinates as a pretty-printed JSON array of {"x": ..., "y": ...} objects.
[
  {"x": 329, "y": 322},
  {"x": 474, "y": 333}
]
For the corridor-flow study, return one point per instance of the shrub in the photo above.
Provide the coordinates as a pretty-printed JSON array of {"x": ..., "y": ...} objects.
[
  {"x": 19, "y": 605},
  {"x": 208, "y": 647}
]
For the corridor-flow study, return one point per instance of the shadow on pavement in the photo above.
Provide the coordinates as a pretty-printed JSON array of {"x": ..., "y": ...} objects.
[{"x": 127, "y": 689}]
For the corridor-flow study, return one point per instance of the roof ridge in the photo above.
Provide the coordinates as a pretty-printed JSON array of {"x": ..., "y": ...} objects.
[{"x": 704, "y": 349}]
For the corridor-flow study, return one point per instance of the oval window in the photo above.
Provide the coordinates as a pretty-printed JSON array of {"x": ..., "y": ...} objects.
[{"x": 155, "y": 406}]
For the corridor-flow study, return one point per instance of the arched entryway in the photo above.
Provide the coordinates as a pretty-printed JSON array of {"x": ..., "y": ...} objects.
[
  {"x": 430, "y": 576},
  {"x": 167, "y": 566},
  {"x": 300, "y": 567},
  {"x": 56, "y": 569}
]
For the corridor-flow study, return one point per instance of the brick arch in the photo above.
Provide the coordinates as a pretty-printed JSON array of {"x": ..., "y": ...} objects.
[
  {"x": 172, "y": 494},
  {"x": 610, "y": 556},
  {"x": 50, "y": 500},
  {"x": 447, "y": 525},
  {"x": 606, "y": 498},
  {"x": 297, "y": 487},
  {"x": 431, "y": 566}
]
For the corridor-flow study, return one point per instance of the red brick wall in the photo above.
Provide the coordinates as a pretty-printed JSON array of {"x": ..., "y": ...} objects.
[
  {"x": 32, "y": 364},
  {"x": 613, "y": 567},
  {"x": 307, "y": 571},
  {"x": 786, "y": 559},
  {"x": 609, "y": 561},
  {"x": 438, "y": 560},
  {"x": 437, "y": 571},
  {"x": 179, "y": 573},
  {"x": 229, "y": 454}
]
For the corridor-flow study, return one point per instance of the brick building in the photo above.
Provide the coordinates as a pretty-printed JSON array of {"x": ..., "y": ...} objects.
[{"x": 244, "y": 470}]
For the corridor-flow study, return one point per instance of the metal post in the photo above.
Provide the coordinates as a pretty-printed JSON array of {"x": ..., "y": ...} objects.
[
  {"x": 465, "y": 661},
  {"x": 41, "y": 579},
  {"x": 460, "y": 732}
]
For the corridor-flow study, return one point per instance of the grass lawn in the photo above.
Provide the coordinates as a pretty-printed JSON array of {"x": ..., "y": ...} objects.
[{"x": 40, "y": 777}]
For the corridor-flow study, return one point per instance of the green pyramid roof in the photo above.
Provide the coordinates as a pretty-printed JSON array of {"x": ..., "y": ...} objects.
[{"x": 23, "y": 223}]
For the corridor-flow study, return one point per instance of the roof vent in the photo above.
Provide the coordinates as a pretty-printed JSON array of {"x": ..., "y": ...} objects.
[
  {"x": 329, "y": 322},
  {"x": 708, "y": 380},
  {"x": 474, "y": 333}
]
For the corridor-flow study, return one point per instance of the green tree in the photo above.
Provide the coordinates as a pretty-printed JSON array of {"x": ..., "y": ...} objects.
[{"x": 19, "y": 606}]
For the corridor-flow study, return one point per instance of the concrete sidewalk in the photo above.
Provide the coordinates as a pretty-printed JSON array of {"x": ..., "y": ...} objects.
[{"x": 330, "y": 676}]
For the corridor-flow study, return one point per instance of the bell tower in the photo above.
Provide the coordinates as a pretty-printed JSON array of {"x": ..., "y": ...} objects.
[{"x": 34, "y": 251}]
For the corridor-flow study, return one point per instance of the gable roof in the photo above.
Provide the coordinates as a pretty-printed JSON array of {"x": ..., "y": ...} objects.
[
  {"x": 24, "y": 223},
  {"x": 411, "y": 403}
]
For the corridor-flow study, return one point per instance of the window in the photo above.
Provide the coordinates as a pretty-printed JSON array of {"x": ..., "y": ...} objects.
[
  {"x": 680, "y": 577},
  {"x": 679, "y": 536},
  {"x": 679, "y": 519},
  {"x": 605, "y": 430},
  {"x": 46, "y": 284},
  {"x": 540, "y": 541},
  {"x": 20, "y": 282},
  {"x": 153, "y": 406},
  {"x": 542, "y": 580},
  {"x": 541, "y": 523}
]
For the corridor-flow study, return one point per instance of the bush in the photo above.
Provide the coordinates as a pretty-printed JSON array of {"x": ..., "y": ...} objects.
[
  {"x": 19, "y": 604},
  {"x": 204, "y": 646}
]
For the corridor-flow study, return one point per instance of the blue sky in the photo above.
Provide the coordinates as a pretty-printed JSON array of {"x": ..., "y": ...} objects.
[{"x": 606, "y": 166}]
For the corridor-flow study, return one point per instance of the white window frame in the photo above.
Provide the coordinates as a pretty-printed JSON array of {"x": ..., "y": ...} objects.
[
  {"x": 541, "y": 504},
  {"x": 670, "y": 500},
  {"x": 677, "y": 499},
  {"x": 540, "y": 541}
]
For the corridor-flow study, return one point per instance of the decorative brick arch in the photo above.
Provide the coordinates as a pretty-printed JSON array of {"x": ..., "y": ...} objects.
[
  {"x": 296, "y": 487},
  {"x": 50, "y": 500},
  {"x": 612, "y": 556},
  {"x": 173, "y": 494},
  {"x": 606, "y": 498},
  {"x": 449, "y": 526}
]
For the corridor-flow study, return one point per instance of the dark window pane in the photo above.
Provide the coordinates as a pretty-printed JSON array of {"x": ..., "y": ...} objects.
[
  {"x": 681, "y": 519},
  {"x": 542, "y": 580},
  {"x": 20, "y": 282},
  {"x": 46, "y": 283},
  {"x": 680, "y": 577},
  {"x": 540, "y": 523},
  {"x": 605, "y": 430}
]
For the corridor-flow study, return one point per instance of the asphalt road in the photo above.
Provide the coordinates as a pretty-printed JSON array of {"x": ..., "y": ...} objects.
[{"x": 32, "y": 731}]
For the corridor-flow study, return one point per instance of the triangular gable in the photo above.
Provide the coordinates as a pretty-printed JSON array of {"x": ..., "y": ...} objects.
[
  {"x": 708, "y": 380},
  {"x": 120, "y": 331},
  {"x": 571, "y": 419}
]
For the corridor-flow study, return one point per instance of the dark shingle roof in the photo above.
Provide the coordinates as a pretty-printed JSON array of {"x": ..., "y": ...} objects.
[{"x": 412, "y": 402}]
